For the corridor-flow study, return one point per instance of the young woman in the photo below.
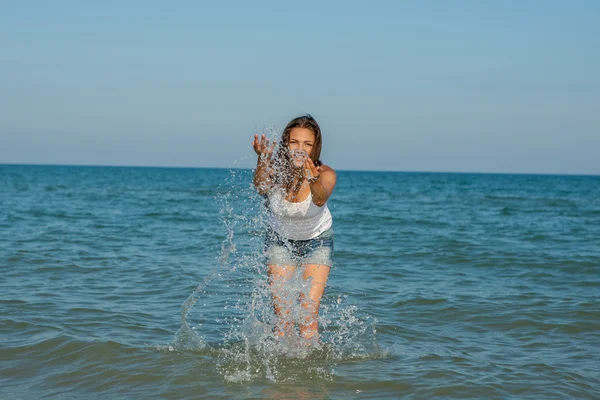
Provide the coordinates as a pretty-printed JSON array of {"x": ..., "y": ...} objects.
[{"x": 296, "y": 185}]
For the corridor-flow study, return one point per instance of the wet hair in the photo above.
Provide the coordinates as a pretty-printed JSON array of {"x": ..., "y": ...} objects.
[{"x": 283, "y": 161}]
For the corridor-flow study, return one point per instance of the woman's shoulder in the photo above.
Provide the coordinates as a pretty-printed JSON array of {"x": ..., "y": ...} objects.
[
  {"x": 327, "y": 170},
  {"x": 325, "y": 167}
]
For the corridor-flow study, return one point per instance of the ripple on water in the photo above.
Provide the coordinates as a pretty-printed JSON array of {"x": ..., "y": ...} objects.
[{"x": 450, "y": 285}]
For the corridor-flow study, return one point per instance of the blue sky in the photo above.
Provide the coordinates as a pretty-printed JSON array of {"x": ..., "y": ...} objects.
[{"x": 507, "y": 86}]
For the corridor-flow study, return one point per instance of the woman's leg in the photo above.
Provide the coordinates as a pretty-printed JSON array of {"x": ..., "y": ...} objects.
[
  {"x": 318, "y": 275},
  {"x": 278, "y": 277}
]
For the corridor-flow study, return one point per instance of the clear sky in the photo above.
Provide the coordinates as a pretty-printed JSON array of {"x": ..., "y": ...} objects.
[{"x": 481, "y": 86}]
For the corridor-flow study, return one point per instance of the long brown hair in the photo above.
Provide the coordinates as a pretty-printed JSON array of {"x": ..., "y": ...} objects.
[{"x": 283, "y": 162}]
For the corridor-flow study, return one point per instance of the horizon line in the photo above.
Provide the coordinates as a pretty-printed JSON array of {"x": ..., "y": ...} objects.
[{"x": 341, "y": 170}]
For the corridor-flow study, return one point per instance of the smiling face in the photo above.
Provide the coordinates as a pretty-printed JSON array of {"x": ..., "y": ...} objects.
[{"x": 302, "y": 140}]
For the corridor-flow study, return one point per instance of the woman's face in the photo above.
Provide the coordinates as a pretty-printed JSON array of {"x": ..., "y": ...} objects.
[{"x": 301, "y": 139}]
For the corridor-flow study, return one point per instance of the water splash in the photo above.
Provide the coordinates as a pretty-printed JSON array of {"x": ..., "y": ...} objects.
[
  {"x": 186, "y": 337},
  {"x": 248, "y": 348}
]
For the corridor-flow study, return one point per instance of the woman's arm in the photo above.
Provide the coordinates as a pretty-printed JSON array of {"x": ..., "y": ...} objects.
[
  {"x": 322, "y": 183},
  {"x": 262, "y": 176},
  {"x": 263, "y": 172}
]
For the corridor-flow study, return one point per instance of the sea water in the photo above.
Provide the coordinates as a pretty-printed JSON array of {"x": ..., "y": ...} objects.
[{"x": 149, "y": 283}]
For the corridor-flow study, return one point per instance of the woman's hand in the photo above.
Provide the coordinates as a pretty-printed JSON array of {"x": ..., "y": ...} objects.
[
  {"x": 262, "y": 147},
  {"x": 311, "y": 172},
  {"x": 263, "y": 173}
]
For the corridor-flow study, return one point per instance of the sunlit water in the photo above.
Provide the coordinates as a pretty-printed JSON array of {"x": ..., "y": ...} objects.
[{"x": 150, "y": 283}]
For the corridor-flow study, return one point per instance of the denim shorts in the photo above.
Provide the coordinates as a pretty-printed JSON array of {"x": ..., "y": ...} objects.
[{"x": 282, "y": 251}]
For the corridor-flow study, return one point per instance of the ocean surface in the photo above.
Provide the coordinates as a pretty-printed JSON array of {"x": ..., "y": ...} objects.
[{"x": 144, "y": 283}]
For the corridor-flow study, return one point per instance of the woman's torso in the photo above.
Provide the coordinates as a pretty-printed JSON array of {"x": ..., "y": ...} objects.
[{"x": 302, "y": 220}]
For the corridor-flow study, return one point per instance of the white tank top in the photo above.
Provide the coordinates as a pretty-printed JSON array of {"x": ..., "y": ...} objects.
[{"x": 297, "y": 221}]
